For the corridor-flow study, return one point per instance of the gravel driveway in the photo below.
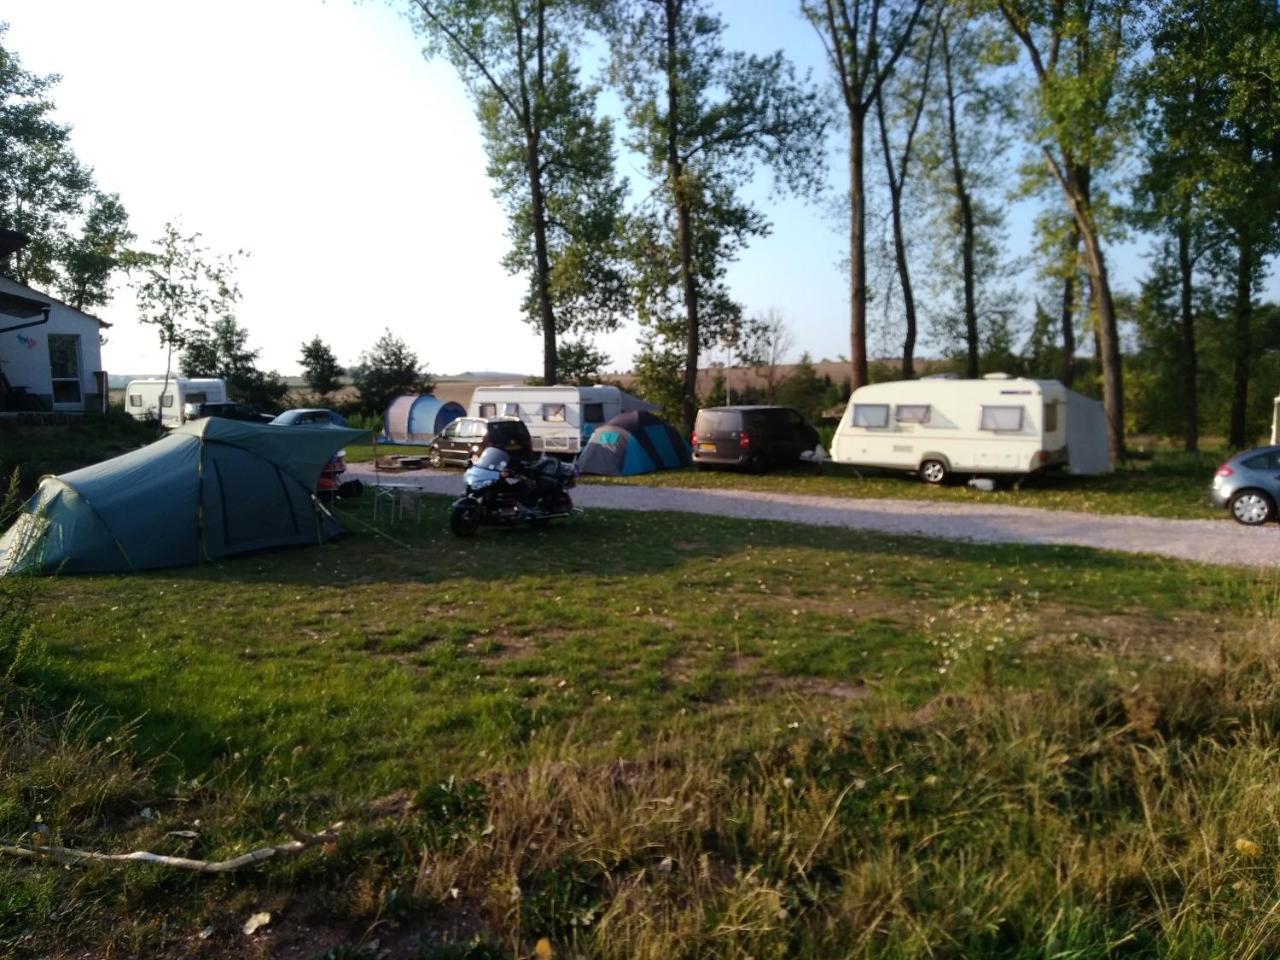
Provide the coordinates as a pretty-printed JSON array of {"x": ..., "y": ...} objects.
[{"x": 1206, "y": 541}]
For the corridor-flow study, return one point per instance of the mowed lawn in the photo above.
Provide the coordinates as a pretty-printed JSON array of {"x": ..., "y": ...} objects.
[
  {"x": 660, "y": 736},
  {"x": 370, "y": 664}
]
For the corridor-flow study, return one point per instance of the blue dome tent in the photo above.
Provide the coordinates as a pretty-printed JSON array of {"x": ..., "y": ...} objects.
[
  {"x": 631, "y": 443},
  {"x": 418, "y": 418}
]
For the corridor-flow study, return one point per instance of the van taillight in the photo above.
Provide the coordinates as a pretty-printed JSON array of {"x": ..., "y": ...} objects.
[
  {"x": 1225, "y": 471},
  {"x": 695, "y": 438},
  {"x": 744, "y": 440},
  {"x": 1044, "y": 456}
]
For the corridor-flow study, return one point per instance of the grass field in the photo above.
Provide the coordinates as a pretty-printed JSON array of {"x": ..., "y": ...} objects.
[{"x": 657, "y": 736}]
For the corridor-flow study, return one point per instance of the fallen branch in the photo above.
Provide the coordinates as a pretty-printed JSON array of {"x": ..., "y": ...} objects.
[{"x": 301, "y": 841}]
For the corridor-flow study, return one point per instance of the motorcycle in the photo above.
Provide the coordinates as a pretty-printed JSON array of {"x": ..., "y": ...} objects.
[{"x": 503, "y": 493}]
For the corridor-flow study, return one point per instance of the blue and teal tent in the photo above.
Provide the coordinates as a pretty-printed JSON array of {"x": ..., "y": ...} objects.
[
  {"x": 210, "y": 489},
  {"x": 631, "y": 443}
]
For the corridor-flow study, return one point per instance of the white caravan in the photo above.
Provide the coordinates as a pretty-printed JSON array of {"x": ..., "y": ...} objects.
[
  {"x": 560, "y": 419},
  {"x": 937, "y": 426},
  {"x": 143, "y": 401}
]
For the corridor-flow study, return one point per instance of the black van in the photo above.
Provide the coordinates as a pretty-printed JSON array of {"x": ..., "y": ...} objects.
[{"x": 754, "y": 438}]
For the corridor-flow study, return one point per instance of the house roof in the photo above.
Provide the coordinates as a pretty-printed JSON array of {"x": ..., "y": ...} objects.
[{"x": 32, "y": 296}]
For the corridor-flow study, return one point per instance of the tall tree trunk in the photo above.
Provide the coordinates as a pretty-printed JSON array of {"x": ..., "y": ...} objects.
[
  {"x": 1072, "y": 251},
  {"x": 857, "y": 257},
  {"x": 1074, "y": 182},
  {"x": 1243, "y": 322},
  {"x": 684, "y": 228},
  {"x": 899, "y": 248},
  {"x": 533, "y": 164},
  {"x": 967, "y": 227},
  {"x": 542, "y": 264},
  {"x": 1190, "y": 394}
]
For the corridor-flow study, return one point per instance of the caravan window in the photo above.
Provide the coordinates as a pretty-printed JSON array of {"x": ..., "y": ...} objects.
[
  {"x": 166, "y": 400},
  {"x": 1001, "y": 419},
  {"x": 135, "y": 399},
  {"x": 593, "y": 413},
  {"x": 511, "y": 409},
  {"x": 1051, "y": 417},
  {"x": 488, "y": 410},
  {"x": 553, "y": 412},
  {"x": 912, "y": 413},
  {"x": 870, "y": 414},
  {"x": 197, "y": 398}
]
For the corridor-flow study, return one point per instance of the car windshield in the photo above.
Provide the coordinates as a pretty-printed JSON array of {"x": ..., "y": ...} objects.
[{"x": 493, "y": 459}]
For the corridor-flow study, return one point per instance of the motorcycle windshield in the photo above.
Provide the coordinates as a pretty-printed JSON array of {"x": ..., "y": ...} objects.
[{"x": 493, "y": 459}]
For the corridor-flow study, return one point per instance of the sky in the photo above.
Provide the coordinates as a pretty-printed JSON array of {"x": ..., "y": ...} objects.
[{"x": 316, "y": 137}]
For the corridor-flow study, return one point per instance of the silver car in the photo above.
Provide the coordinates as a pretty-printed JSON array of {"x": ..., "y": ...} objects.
[{"x": 1249, "y": 485}]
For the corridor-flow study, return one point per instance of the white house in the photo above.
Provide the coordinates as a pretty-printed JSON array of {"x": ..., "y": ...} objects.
[{"x": 50, "y": 353}]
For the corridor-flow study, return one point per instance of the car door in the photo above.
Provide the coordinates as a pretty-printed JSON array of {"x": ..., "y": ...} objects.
[{"x": 448, "y": 442}]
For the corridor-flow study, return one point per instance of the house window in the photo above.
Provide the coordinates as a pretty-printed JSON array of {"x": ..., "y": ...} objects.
[
  {"x": 553, "y": 412},
  {"x": 593, "y": 413},
  {"x": 135, "y": 399},
  {"x": 912, "y": 413},
  {"x": 1001, "y": 419},
  {"x": 488, "y": 410},
  {"x": 870, "y": 414},
  {"x": 64, "y": 366}
]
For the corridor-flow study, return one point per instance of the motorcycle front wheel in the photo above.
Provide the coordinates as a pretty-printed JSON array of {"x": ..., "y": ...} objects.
[{"x": 464, "y": 519}]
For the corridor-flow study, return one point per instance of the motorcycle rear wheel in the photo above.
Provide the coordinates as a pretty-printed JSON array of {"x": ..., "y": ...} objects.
[{"x": 464, "y": 520}]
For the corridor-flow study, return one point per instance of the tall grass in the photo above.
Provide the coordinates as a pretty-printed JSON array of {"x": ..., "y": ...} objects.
[{"x": 1091, "y": 819}]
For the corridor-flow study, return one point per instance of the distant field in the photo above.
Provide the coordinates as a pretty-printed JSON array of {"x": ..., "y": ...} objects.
[{"x": 660, "y": 736}]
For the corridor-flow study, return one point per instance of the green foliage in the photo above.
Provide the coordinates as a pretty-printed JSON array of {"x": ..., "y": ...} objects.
[
  {"x": 704, "y": 118},
  {"x": 550, "y": 156},
  {"x": 580, "y": 363},
  {"x": 47, "y": 194},
  {"x": 321, "y": 369},
  {"x": 804, "y": 390},
  {"x": 387, "y": 370},
  {"x": 659, "y": 376}
]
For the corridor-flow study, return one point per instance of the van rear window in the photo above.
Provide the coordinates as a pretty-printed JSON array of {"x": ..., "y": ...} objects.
[
  {"x": 717, "y": 421},
  {"x": 870, "y": 414}
]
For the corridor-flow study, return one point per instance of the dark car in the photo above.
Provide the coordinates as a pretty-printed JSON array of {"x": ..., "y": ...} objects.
[
  {"x": 753, "y": 438},
  {"x": 228, "y": 410},
  {"x": 465, "y": 437}
]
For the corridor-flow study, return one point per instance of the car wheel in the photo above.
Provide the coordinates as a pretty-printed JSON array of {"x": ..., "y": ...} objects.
[
  {"x": 435, "y": 459},
  {"x": 1251, "y": 507},
  {"x": 758, "y": 463},
  {"x": 933, "y": 472}
]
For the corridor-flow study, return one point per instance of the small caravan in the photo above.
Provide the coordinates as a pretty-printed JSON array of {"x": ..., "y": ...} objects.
[
  {"x": 560, "y": 419},
  {"x": 937, "y": 426},
  {"x": 164, "y": 400}
]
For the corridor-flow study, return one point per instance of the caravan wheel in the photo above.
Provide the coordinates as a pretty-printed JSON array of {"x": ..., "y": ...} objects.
[{"x": 933, "y": 471}]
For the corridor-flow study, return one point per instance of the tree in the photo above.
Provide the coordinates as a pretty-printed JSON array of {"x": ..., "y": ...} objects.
[
  {"x": 90, "y": 260},
  {"x": 913, "y": 96},
  {"x": 1080, "y": 52},
  {"x": 45, "y": 192},
  {"x": 179, "y": 288},
  {"x": 1212, "y": 177},
  {"x": 321, "y": 369},
  {"x": 864, "y": 40},
  {"x": 221, "y": 349},
  {"x": 550, "y": 156},
  {"x": 386, "y": 371},
  {"x": 766, "y": 348},
  {"x": 581, "y": 363},
  {"x": 804, "y": 389},
  {"x": 702, "y": 117}
]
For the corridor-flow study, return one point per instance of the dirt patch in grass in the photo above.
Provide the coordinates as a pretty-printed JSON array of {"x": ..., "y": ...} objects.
[
  {"x": 816, "y": 686},
  {"x": 1189, "y": 637}
]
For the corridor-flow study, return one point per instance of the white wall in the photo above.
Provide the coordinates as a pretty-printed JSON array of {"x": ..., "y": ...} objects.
[{"x": 24, "y": 354}]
